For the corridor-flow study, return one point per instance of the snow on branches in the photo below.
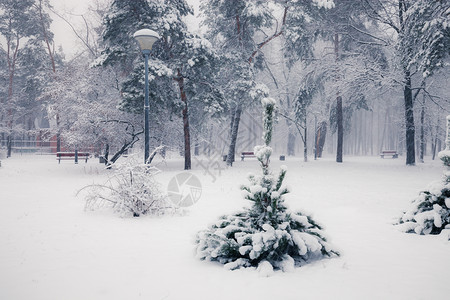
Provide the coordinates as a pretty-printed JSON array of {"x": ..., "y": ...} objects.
[{"x": 131, "y": 191}]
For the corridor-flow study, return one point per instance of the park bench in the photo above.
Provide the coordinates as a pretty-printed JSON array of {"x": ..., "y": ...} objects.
[
  {"x": 392, "y": 153},
  {"x": 72, "y": 155},
  {"x": 247, "y": 154}
]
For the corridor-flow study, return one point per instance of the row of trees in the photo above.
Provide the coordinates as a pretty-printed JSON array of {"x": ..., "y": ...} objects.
[
  {"x": 364, "y": 51},
  {"x": 27, "y": 60},
  {"x": 322, "y": 59}
]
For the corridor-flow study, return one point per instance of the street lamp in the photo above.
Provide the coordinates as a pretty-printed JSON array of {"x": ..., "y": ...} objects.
[{"x": 146, "y": 38}]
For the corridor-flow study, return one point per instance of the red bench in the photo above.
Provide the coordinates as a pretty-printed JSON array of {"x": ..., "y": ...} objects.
[
  {"x": 247, "y": 154},
  {"x": 392, "y": 153},
  {"x": 72, "y": 155}
]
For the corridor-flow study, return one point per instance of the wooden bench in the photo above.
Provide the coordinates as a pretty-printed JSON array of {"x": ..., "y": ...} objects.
[
  {"x": 392, "y": 153},
  {"x": 247, "y": 154},
  {"x": 72, "y": 155}
]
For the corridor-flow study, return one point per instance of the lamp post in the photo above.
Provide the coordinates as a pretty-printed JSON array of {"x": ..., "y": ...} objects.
[{"x": 146, "y": 38}]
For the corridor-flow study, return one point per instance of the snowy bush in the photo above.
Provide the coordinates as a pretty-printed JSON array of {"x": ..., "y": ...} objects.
[
  {"x": 445, "y": 157},
  {"x": 130, "y": 191},
  {"x": 267, "y": 235},
  {"x": 241, "y": 241},
  {"x": 430, "y": 211}
]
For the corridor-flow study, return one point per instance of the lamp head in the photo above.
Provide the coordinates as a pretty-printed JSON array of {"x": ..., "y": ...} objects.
[{"x": 146, "y": 38}]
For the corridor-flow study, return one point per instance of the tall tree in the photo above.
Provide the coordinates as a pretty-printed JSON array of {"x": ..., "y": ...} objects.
[
  {"x": 232, "y": 26},
  {"x": 20, "y": 29},
  {"x": 339, "y": 113},
  {"x": 422, "y": 42},
  {"x": 239, "y": 29},
  {"x": 92, "y": 90},
  {"x": 347, "y": 26},
  {"x": 178, "y": 57},
  {"x": 337, "y": 25},
  {"x": 42, "y": 6}
]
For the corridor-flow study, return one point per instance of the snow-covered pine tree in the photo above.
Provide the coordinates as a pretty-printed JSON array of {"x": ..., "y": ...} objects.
[
  {"x": 267, "y": 235},
  {"x": 430, "y": 211},
  {"x": 428, "y": 34}
]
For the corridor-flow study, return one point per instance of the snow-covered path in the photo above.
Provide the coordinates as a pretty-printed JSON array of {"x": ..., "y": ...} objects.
[{"x": 50, "y": 248}]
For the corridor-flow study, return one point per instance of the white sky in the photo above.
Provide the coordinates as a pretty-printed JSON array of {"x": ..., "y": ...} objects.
[{"x": 65, "y": 36}]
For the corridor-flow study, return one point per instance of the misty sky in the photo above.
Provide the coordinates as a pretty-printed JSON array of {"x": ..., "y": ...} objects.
[{"x": 64, "y": 35}]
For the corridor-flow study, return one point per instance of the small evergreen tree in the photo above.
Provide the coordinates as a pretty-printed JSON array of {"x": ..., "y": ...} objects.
[
  {"x": 267, "y": 235},
  {"x": 430, "y": 211}
]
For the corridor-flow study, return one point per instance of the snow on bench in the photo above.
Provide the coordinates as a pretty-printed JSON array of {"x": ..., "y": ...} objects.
[
  {"x": 72, "y": 155},
  {"x": 392, "y": 153},
  {"x": 247, "y": 154}
]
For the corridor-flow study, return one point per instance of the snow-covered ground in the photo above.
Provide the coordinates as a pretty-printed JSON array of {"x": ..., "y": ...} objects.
[{"x": 51, "y": 248}]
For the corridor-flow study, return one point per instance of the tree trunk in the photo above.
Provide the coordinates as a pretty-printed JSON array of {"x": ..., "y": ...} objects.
[
  {"x": 106, "y": 155},
  {"x": 187, "y": 137},
  {"x": 385, "y": 129},
  {"x": 197, "y": 148},
  {"x": 434, "y": 143},
  {"x": 210, "y": 143},
  {"x": 339, "y": 116},
  {"x": 291, "y": 131},
  {"x": 422, "y": 132},
  {"x": 409, "y": 122},
  {"x": 125, "y": 147},
  {"x": 234, "y": 132},
  {"x": 408, "y": 98},
  {"x": 340, "y": 129},
  {"x": 11, "y": 71},
  {"x": 320, "y": 138},
  {"x": 230, "y": 133},
  {"x": 291, "y": 141},
  {"x": 118, "y": 154},
  {"x": 371, "y": 133},
  {"x": 58, "y": 134},
  {"x": 305, "y": 145},
  {"x": 8, "y": 145},
  {"x": 52, "y": 60},
  {"x": 315, "y": 138}
]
